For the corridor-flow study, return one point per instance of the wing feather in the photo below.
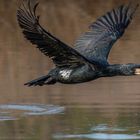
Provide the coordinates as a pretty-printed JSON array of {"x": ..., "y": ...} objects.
[
  {"x": 96, "y": 43},
  {"x": 61, "y": 54}
]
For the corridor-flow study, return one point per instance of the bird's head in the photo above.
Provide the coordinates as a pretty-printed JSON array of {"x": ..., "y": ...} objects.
[
  {"x": 121, "y": 69},
  {"x": 130, "y": 69}
]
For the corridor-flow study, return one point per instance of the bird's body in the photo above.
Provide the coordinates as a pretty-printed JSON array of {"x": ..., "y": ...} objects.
[
  {"x": 83, "y": 73},
  {"x": 88, "y": 59},
  {"x": 86, "y": 73}
]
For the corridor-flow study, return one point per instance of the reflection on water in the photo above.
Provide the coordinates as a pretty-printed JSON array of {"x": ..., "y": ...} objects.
[
  {"x": 104, "y": 132},
  {"x": 108, "y": 108},
  {"x": 70, "y": 123},
  {"x": 6, "y": 118},
  {"x": 105, "y": 127},
  {"x": 28, "y": 109},
  {"x": 100, "y": 136}
]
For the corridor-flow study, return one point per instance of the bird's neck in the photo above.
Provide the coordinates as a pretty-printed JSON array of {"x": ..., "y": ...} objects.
[{"x": 120, "y": 69}]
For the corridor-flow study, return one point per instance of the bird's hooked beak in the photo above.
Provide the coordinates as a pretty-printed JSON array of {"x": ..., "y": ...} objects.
[{"x": 137, "y": 71}]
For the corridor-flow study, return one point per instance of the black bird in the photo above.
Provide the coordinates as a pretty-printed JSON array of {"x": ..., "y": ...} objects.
[{"x": 88, "y": 59}]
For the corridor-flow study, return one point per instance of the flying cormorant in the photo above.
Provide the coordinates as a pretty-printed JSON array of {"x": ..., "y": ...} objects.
[{"x": 88, "y": 59}]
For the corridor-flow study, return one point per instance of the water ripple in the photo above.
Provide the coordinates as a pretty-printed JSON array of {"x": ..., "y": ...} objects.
[
  {"x": 7, "y": 111},
  {"x": 102, "y": 132},
  {"x": 105, "y": 127},
  {"x": 99, "y": 136}
]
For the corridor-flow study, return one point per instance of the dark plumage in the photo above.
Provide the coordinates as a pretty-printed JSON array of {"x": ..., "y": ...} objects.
[{"x": 88, "y": 59}]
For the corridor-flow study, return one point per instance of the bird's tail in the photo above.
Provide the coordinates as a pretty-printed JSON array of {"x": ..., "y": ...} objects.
[{"x": 44, "y": 80}]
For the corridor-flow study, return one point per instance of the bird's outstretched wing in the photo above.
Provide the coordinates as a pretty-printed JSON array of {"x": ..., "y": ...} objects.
[
  {"x": 96, "y": 43},
  {"x": 61, "y": 54}
]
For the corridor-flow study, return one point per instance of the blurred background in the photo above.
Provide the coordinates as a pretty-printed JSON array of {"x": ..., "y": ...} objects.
[{"x": 106, "y": 101}]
